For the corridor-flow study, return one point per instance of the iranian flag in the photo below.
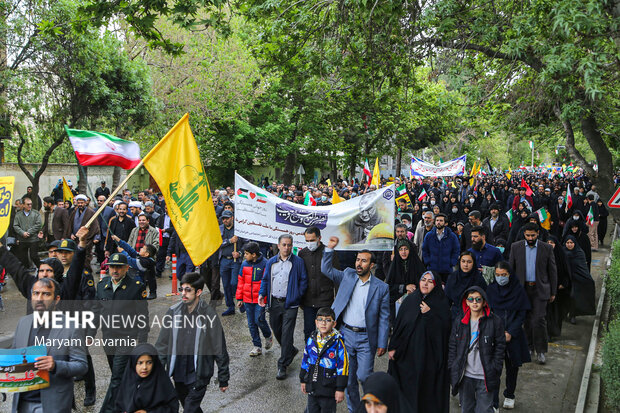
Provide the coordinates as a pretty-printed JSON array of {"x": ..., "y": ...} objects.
[
  {"x": 97, "y": 148},
  {"x": 510, "y": 214},
  {"x": 423, "y": 195},
  {"x": 590, "y": 217},
  {"x": 542, "y": 215},
  {"x": 309, "y": 199},
  {"x": 367, "y": 171},
  {"x": 401, "y": 190},
  {"x": 531, "y": 144},
  {"x": 569, "y": 199}
]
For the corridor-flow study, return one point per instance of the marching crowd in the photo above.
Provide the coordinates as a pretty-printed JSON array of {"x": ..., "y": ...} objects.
[{"x": 482, "y": 275}]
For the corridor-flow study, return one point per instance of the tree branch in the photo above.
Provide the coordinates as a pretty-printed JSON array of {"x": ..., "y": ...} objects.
[{"x": 570, "y": 141}]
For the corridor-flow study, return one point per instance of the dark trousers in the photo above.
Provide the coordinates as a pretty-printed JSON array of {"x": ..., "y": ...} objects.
[
  {"x": 117, "y": 363},
  {"x": 24, "y": 250},
  {"x": 229, "y": 271},
  {"x": 100, "y": 251},
  {"x": 309, "y": 321},
  {"x": 210, "y": 273},
  {"x": 189, "y": 396},
  {"x": 160, "y": 262},
  {"x": 511, "y": 382},
  {"x": 184, "y": 264},
  {"x": 151, "y": 281},
  {"x": 474, "y": 397},
  {"x": 89, "y": 378},
  {"x": 282, "y": 321},
  {"x": 536, "y": 321},
  {"x": 318, "y": 404}
]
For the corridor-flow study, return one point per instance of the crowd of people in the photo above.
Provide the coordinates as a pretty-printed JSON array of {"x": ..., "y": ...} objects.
[{"x": 482, "y": 275}]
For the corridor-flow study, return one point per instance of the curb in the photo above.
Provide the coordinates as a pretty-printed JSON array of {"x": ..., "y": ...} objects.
[{"x": 587, "y": 371}]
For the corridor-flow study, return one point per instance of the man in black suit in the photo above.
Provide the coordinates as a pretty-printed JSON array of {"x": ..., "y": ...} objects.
[
  {"x": 534, "y": 264},
  {"x": 497, "y": 225}
]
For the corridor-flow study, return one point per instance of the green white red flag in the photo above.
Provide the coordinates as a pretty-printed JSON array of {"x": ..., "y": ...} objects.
[{"x": 98, "y": 148}]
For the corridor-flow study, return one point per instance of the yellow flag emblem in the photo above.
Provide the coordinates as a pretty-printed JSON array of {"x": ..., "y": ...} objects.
[
  {"x": 175, "y": 165},
  {"x": 6, "y": 199}
]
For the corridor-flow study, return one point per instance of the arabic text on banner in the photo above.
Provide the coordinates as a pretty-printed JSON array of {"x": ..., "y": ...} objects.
[
  {"x": 17, "y": 371},
  {"x": 453, "y": 167}
]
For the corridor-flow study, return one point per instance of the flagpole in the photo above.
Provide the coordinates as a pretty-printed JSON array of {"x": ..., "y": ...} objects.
[{"x": 113, "y": 194}]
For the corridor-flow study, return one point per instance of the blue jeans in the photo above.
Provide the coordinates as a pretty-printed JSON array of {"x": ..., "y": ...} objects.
[
  {"x": 184, "y": 265},
  {"x": 229, "y": 271},
  {"x": 361, "y": 364},
  {"x": 256, "y": 320}
]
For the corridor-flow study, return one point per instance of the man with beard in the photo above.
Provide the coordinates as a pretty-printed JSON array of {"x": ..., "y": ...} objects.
[
  {"x": 534, "y": 264},
  {"x": 485, "y": 254},
  {"x": 440, "y": 248},
  {"x": 55, "y": 221},
  {"x": 62, "y": 362},
  {"x": 80, "y": 215},
  {"x": 367, "y": 219},
  {"x": 423, "y": 228},
  {"x": 497, "y": 224},
  {"x": 27, "y": 224},
  {"x": 120, "y": 226},
  {"x": 474, "y": 220},
  {"x": 103, "y": 219}
]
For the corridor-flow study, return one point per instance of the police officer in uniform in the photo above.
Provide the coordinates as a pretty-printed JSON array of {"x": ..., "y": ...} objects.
[{"x": 121, "y": 295}]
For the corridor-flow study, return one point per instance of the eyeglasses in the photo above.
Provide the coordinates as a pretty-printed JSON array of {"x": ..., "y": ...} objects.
[
  {"x": 321, "y": 320},
  {"x": 186, "y": 289},
  {"x": 476, "y": 299}
]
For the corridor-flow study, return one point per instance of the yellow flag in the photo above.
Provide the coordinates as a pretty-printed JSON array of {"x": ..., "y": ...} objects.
[
  {"x": 472, "y": 174},
  {"x": 376, "y": 175},
  {"x": 329, "y": 182},
  {"x": 175, "y": 165},
  {"x": 67, "y": 195},
  {"x": 6, "y": 202},
  {"x": 509, "y": 174},
  {"x": 335, "y": 197}
]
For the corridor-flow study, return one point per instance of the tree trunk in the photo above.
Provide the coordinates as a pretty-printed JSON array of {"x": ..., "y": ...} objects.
[
  {"x": 352, "y": 168},
  {"x": 399, "y": 157},
  {"x": 289, "y": 169},
  {"x": 83, "y": 179},
  {"x": 116, "y": 177}
]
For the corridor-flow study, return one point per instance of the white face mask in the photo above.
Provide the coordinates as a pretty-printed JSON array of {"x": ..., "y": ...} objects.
[
  {"x": 432, "y": 202},
  {"x": 312, "y": 246},
  {"x": 576, "y": 217},
  {"x": 455, "y": 210}
]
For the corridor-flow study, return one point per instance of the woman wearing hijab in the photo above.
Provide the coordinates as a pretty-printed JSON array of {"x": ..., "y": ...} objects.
[
  {"x": 581, "y": 235},
  {"x": 603, "y": 213},
  {"x": 418, "y": 348},
  {"x": 467, "y": 275},
  {"x": 508, "y": 300},
  {"x": 559, "y": 308},
  {"x": 517, "y": 223},
  {"x": 404, "y": 273},
  {"x": 146, "y": 386},
  {"x": 382, "y": 394},
  {"x": 455, "y": 215},
  {"x": 583, "y": 290}
]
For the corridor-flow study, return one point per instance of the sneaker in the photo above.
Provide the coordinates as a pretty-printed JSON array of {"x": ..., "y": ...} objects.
[
  {"x": 269, "y": 342},
  {"x": 509, "y": 404},
  {"x": 256, "y": 351},
  {"x": 541, "y": 358}
]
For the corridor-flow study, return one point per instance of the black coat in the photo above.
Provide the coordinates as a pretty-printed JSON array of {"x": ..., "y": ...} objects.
[
  {"x": 320, "y": 291},
  {"x": 501, "y": 229},
  {"x": 492, "y": 345},
  {"x": 583, "y": 290}
]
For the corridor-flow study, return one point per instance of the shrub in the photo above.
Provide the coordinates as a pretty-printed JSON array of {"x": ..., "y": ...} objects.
[
  {"x": 610, "y": 372},
  {"x": 613, "y": 279}
]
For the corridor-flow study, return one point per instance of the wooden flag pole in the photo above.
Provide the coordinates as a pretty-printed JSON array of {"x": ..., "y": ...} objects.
[{"x": 113, "y": 194}]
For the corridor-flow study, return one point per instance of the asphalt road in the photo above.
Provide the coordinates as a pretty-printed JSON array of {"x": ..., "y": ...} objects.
[{"x": 550, "y": 388}]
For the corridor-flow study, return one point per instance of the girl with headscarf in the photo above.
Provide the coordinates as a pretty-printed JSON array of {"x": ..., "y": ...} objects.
[
  {"x": 404, "y": 272},
  {"x": 380, "y": 389},
  {"x": 517, "y": 223},
  {"x": 508, "y": 300},
  {"x": 467, "y": 275},
  {"x": 559, "y": 308},
  {"x": 583, "y": 290},
  {"x": 418, "y": 348},
  {"x": 146, "y": 386}
]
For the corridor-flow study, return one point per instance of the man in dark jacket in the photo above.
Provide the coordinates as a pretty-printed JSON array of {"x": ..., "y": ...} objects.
[
  {"x": 497, "y": 224},
  {"x": 230, "y": 260},
  {"x": 189, "y": 349},
  {"x": 441, "y": 248},
  {"x": 320, "y": 292},
  {"x": 121, "y": 226},
  {"x": 476, "y": 353}
]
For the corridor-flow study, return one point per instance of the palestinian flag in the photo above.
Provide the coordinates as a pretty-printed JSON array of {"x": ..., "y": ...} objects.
[
  {"x": 510, "y": 214},
  {"x": 243, "y": 193},
  {"x": 367, "y": 171},
  {"x": 590, "y": 217},
  {"x": 423, "y": 195},
  {"x": 97, "y": 148},
  {"x": 309, "y": 199},
  {"x": 542, "y": 215},
  {"x": 401, "y": 190},
  {"x": 493, "y": 193},
  {"x": 569, "y": 198}
]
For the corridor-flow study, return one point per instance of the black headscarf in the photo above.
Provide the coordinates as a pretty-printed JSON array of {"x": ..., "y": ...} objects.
[
  {"x": 460, "y": 281},
  {"x": 511, "y": 296},
  {"x": 583, "y": 289},
  {"x": 381, "y": 386},
  {"x": 560, "y": 262},
  {"x": 405, "y": 272},
  {"x": 149, "y": 393},
  {"x": 56, "y": 267}
]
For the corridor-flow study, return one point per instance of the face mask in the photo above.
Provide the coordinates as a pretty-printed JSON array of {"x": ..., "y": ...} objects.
[
  {"x": 501, "y": 249},
  {"x": 576, "y": 217},
  {"x": 323, "y": 198},
  {"x": 455, "y": 210},
  {"x": 432, "y": 202},
  {"x": 502, "y": 280},
  {"x": 312, "y": 246},
  {"x": 471, "y": 200},
  {"x": 424, "y": 207}
]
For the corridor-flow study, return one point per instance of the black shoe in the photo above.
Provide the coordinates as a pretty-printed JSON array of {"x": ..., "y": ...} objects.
[
  {"x": 152, "y": 296},
  {"x": 572, "y": 320},
  {"x": 295, "y": 351},
  {"x": 90, "y": 398},
  {"x": 281, "y": 373}
]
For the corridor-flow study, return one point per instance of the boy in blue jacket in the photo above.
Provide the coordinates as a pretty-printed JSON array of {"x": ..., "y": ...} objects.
[
  {"x": 324, "y": 370},
  {"x": 143, "y": 262}
]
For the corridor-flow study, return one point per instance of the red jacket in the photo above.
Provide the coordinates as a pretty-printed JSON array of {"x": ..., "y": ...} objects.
[{"x": 249, "y": 279}]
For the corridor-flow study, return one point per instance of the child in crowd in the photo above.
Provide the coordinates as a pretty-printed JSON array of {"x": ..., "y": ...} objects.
[
  {"x": 248, "y": 285},
  {"x": 142, "y": 262},
  {"x": 325, "y": 366}
]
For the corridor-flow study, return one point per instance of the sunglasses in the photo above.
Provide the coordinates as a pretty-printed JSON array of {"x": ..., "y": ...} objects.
[
  {"x": 476, "y": 299},
  {"x": 321, "y": 320},
  {"x": 186, "y": 289}
]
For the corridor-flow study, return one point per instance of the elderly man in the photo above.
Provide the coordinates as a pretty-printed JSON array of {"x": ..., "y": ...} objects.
[
  {"x": 135, "y": 208},
  {"x": 78, "y": 218},
  {"x": 27, "y": 225},
  {"x": 143, "y": 234}
]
